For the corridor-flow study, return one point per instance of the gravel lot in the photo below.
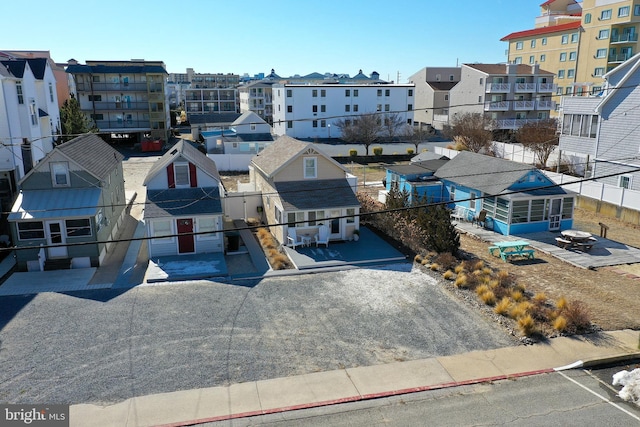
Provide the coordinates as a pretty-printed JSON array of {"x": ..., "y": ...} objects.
[{"x": 103, "y": 346}]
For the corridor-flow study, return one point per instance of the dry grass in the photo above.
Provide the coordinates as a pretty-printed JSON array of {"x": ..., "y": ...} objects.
[
  {"x": 560, "y": 324},
  {"x": 434, "y": 267},
  {"x": 503, "y": 307},
  {"x": 462, "y": 281},
  {"x": 488, "y": 297},
  {"x": 448, "y": 274},
  {"x": 527, "y": 325}
]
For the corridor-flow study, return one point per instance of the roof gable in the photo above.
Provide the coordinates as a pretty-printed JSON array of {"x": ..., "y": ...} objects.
[
  {"x": 622, "y": 73},
  {"x": 248, "y": 118},
  {"x": 187, "y": 151},
  {"x": 15, "y": 67},
  {"x": 92, "y": 153}
]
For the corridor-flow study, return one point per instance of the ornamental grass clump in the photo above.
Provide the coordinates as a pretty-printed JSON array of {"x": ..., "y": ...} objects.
[
  {"x": 527, "y": 325},
  {"x": 503, "y": 307},
  {"x": 560, "y": 324},
  {"x": 417, "y": 259},
  {"x": 462, "y": 281},
  {"x": 434, "y": 267},
  {"x": 448, "y": 275}
]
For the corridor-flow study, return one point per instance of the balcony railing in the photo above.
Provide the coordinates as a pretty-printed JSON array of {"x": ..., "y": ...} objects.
[
  {"x": 496, "y": 106},
  {"x": 514, "y": 123},
  {"x": 524, "y": 105},
  {"x": 619, "y": 58},
  {"x": 545, "y": 105},
  {"x": 624, "y": 38},
  {"x": 122, "y": 124},
  {"x": 547, "y": 87},
  {"x": 525, "y": 87},
  {"x": 107, "y": 106},
  {"x": 498, "y": 87},
  {"x": 107, "y": 87}
]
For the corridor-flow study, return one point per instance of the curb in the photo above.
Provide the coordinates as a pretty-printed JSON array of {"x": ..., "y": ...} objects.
[{"x": 590, "y": 363}]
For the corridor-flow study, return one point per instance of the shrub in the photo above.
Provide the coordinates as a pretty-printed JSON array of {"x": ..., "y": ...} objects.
[
  {"x": 353, "y": 153},
  {"x": 488, "y": 297},
  {"x": 462, "y": 281},
  {"x": 540, "y": 298},
  {"x": 263, "y": 233},
  {"x": 505, "y": 278},
  {"x": 279, "y": 262},
  {"x": 448, "y": 274},
  {"x": 577, "y": 316},
  {"x": 527, "y": 325},
  {"x": 417, "y": 259},
  {"x": 562, "y": 303},
  {"x": 425, "y": 261},
  {"x": 487, "y": 271},
  {"x": 502, "y": 308},
  {"x": 434, "y": 267},
  {"x": 377, "y": 151},
  {"x": 460, "y": 268},
  {"x": 516, "y": 295},
  {"x": 446, "y": 260},
  {"x": 478, "y": 266},
  {"x": 482, "y": 289},
  {"x": 519, "y": 310},
  {"x": 560, "y": 324},
  {"x": 409, "y": 150}
]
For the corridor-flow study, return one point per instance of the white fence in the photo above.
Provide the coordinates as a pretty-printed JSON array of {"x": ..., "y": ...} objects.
[{"x": 232, "y": 162}]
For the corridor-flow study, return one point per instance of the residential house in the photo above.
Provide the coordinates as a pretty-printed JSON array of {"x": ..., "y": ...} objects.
[
  {"x": 518, "y": 197},
  {"x": 125, "y": 99},
  {"x": 248, "y": 134},
  {"x": 201, "y": 122},
  {"x": 311, "y": 111},
  {"x": 72, "y": 202},
  {"x": 510, "y": 94},
  {"x": 433, "y": 85},
  {"x": 183, "y": 210},
  {"x": 604, "y": 128},
  {"x": 257, "y": 96},
  {"x": 302, "y": 188},
  {"x": 417, "y": 179}
]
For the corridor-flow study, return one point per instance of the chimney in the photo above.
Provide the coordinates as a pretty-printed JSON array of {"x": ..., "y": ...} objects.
[
  {"x": 511, "y": 68},
  {"x": 535, "y": 68}
]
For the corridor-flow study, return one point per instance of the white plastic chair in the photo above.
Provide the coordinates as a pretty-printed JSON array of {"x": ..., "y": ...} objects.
[
  {"x": 323, "y": 236},
  {"x": 292, "y": 238}
]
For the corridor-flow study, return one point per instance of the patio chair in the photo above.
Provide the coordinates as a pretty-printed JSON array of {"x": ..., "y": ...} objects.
[
  {"x": 293, "y": 239},
  {"x": 459, "y": 213},
  {"x": 323, "y": 236},
  {"x": 480, "y": 218}
]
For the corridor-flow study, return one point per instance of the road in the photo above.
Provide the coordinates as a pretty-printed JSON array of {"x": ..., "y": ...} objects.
[
  {"x": 106, "y": 346},
  {"x": 569, "y": 398}
]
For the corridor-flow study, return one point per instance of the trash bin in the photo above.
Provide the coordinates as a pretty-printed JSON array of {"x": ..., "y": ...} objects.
[{"x": 233, "y": 239}]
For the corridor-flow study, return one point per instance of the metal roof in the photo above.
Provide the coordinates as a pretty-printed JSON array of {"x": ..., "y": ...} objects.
[{"x": 56, "y": 203}]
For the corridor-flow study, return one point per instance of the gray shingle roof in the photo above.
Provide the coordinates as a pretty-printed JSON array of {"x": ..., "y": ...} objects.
[
  {"x": 488, "y": 174},
  {"x": 316, "y": 194},
  {"x": 423, "y": 167},
  {"x": 182, "y": 202},
  {"x": 92, "y": 153},
  {"x": 248, "y": 118},
  {"x": 184, "y": 149},
  {"x": 277, "y": 154}
]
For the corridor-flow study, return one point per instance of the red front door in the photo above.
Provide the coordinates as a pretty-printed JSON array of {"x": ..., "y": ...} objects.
[{"x": 185, "y": 240}]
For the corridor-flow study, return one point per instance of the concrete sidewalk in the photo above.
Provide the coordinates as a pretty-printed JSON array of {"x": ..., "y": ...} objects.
[{"x": 191, "y": 407}]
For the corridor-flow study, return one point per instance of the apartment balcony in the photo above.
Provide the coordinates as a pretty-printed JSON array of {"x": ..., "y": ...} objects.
[
  {"x": 513, "y": 123},
  {"x": 524, "y": 105},
  {"x": 498, "y": 88},
  {"x": 110, "y": 106},
  {"x": 624, "y": 38},
  {"x": 525, "y": 87},
  {"x": 547, "y": 87},
  {"x": 122, "y": 124},
  {"x": 108, "y": 87},
  {"x": 545, "y": 105},
  {"x": 193, "y": 98},
  {"x": 496, "y": 106},
  {"x": 617, "y": 59}
]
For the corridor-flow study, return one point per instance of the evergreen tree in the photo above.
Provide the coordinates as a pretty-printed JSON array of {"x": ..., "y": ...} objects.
[
  {"x": 74, "y": 121},
  {"x": 442, "y": 235}
]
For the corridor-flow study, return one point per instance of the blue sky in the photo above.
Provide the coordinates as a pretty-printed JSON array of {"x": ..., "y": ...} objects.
[{"x": 291, "y": 36}]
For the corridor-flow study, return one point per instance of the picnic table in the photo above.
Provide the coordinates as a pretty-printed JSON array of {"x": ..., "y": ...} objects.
[
  {"x": 508, "y": 249},
  {"x": 576, "y": 238}
]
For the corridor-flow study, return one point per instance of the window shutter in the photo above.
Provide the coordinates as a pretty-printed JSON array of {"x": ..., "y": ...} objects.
[
  {"x": 193, "y": 176},
  {"x": 171, "y": 179}
]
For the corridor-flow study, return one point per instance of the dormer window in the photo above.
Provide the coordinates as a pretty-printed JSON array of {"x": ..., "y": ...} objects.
[
  {"x": 60, "y": 174},
  {"x": 182, "y": 174},
  {"x": 310, "y": 167}
]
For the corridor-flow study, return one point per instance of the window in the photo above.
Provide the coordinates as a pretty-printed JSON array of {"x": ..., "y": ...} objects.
[
  {"x": 572, "y": 56},
  {"x": 314, "y": 123},
  {"x": 544, "y": 41},
  {"x": 533, "y": 43},
  {"x": 310, "y": 167},
  {"x": 314, "y": 93},
  {"x": 605, "y": 14},
  {"x": 601, "y": 53},
  {"x": 323, "y": 108},
  {"x": 532, "y": 59},
  {"x": 587, "y": 18},
  {"x": 51, "y": 92},
  {"x": 59, "y": 174},
  {"x": 563, "y": 56},
  {"x": 379, "y": 107},
  {"x": 161, "y": 228},
  {"x": 289, "y": 108},
  {"x": 97, "y": 116},
  {"x": 574, "y": 37},
  {"x": 450, "y": 77},
  {"x": 347, "y": 108},
  {"x": 624, "y": 181},
  {"x": 603, "y": 34},
  {"x": 355, "y": 108},
  {"x": 181, "y": 172},
  {"x": 323, "y": 93},
  {"x": 543, "y": 57},
  {"x": 351, "y": 213},
  {"x": 567, "y": 207},
  {"x": 598, "y": 71},
  {"x": 95, "y": 79},
  {"x": 518, "y": 60},
  {"x": 564, "y": 39},
  {"x": 596, "y": 90},
  {"x": 323, "y": 123},
  {"x": 347, "y": 92},
  {"x": 410, "y": 92},
  {"x": 559, "y": 90},
  {"x": 472, "y": 200},
  {"x": 520, "y": 211},
  {"x": 314, "y": 108},
  {"x": 289, "y": 124},
  {"x": 446, "y": 97},
  {"x": 410, "y": 107},
  {"x": 568, "y": 90},
  {"x": 379, "y": 92},
  {"x": 19, "y": 91},
  {"x": 28, "y": 230},
  {"x": 98, "y": 98},
  {"x": 387, "y": 107},
  {"x": 295, "y": 219},
  {"x": 623, "y": 11},
  {"x": 207, "y": 225},
  {"x": 480, "y": 99},
  {"x": 314, "y": 217},
  {"x": 355, "y": 92},
  {"x": 583, "y": 125},
  {"x": 387, "y": 92},
  {"x": 571, "y": 73},
  {"x": 78, "y": 227},
  {"x": 636, "y": 10},
  {"x": 518, "y": 45},
  {"x": 33, "y": 112},
  {"x": 452, "y": 193},
  {"x": 289, "y": 93}
]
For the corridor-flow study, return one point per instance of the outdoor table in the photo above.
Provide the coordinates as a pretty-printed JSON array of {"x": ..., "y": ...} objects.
[
  {"x": 508, "y": 249},
  {"x": 580, "y": 239},
  {"x": 306, "y": 240}
]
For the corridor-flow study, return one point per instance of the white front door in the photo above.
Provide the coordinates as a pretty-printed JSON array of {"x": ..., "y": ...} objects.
[
  {"x": 335, "y": 229},
  {"x": 55, "y": 236},
  {"x": 555, "y": 214}
]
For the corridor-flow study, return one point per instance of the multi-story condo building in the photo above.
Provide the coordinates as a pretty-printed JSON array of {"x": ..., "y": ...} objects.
[
  {"x": 29, "y": 118},
  {"x": 257, "y": 96},
  {"x": 205, "y": 80},
  {"x": 124, "y": 98},
  {"x": 432, "y": 94},
  {"x": 510, "y": 94},
  {"x": 578, "y": 41},
  {"x": 214, "y": 100},
  {"x": 310, "y": 111},
  {"x": 176, "y": 93}
]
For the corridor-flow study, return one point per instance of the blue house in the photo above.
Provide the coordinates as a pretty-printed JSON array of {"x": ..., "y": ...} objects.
[
  {"x": 518, "y": 197},
  {"x": 417, "y": 179}
]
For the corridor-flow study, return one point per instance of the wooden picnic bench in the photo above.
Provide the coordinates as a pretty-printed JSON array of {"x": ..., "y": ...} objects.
[
  {"x": 510, "y": 249},
  {"x": 584, "y": 245}
]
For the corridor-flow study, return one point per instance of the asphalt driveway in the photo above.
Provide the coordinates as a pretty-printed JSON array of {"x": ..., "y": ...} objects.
[{"x": 106, "y": 346}]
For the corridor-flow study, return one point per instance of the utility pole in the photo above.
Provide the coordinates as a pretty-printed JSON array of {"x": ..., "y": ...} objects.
[{"x": 398, "y": 79}]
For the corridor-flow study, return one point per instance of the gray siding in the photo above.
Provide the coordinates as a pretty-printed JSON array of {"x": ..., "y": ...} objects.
[{"x": 464, "y": 96}]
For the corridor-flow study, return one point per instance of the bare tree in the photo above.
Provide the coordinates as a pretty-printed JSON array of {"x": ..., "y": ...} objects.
[
  {"x": 473, "y": 130},
  {"x": 540, "y": 137},
  {"x": 416, "y": 134},
  {"x": 364, "y": 129},
  {"x": 392, "y": 123}
]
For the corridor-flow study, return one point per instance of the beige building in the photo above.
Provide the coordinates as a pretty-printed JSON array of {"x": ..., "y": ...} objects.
[{"x": 578, "y": 42}]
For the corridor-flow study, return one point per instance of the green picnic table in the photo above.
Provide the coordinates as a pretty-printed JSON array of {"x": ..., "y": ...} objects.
[{"x": 508, "y": 249}]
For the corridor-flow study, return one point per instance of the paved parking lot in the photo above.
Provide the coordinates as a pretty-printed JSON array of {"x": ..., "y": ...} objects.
[{"x": 106, "y": 346}]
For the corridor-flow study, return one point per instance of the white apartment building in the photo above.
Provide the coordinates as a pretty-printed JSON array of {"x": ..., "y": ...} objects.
[
  {"x": 310, "y": 111},
  {"x": 212, "y": 100},
  {"x": 29, "y": 117},
  {"x": 256, "y": 96}
]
